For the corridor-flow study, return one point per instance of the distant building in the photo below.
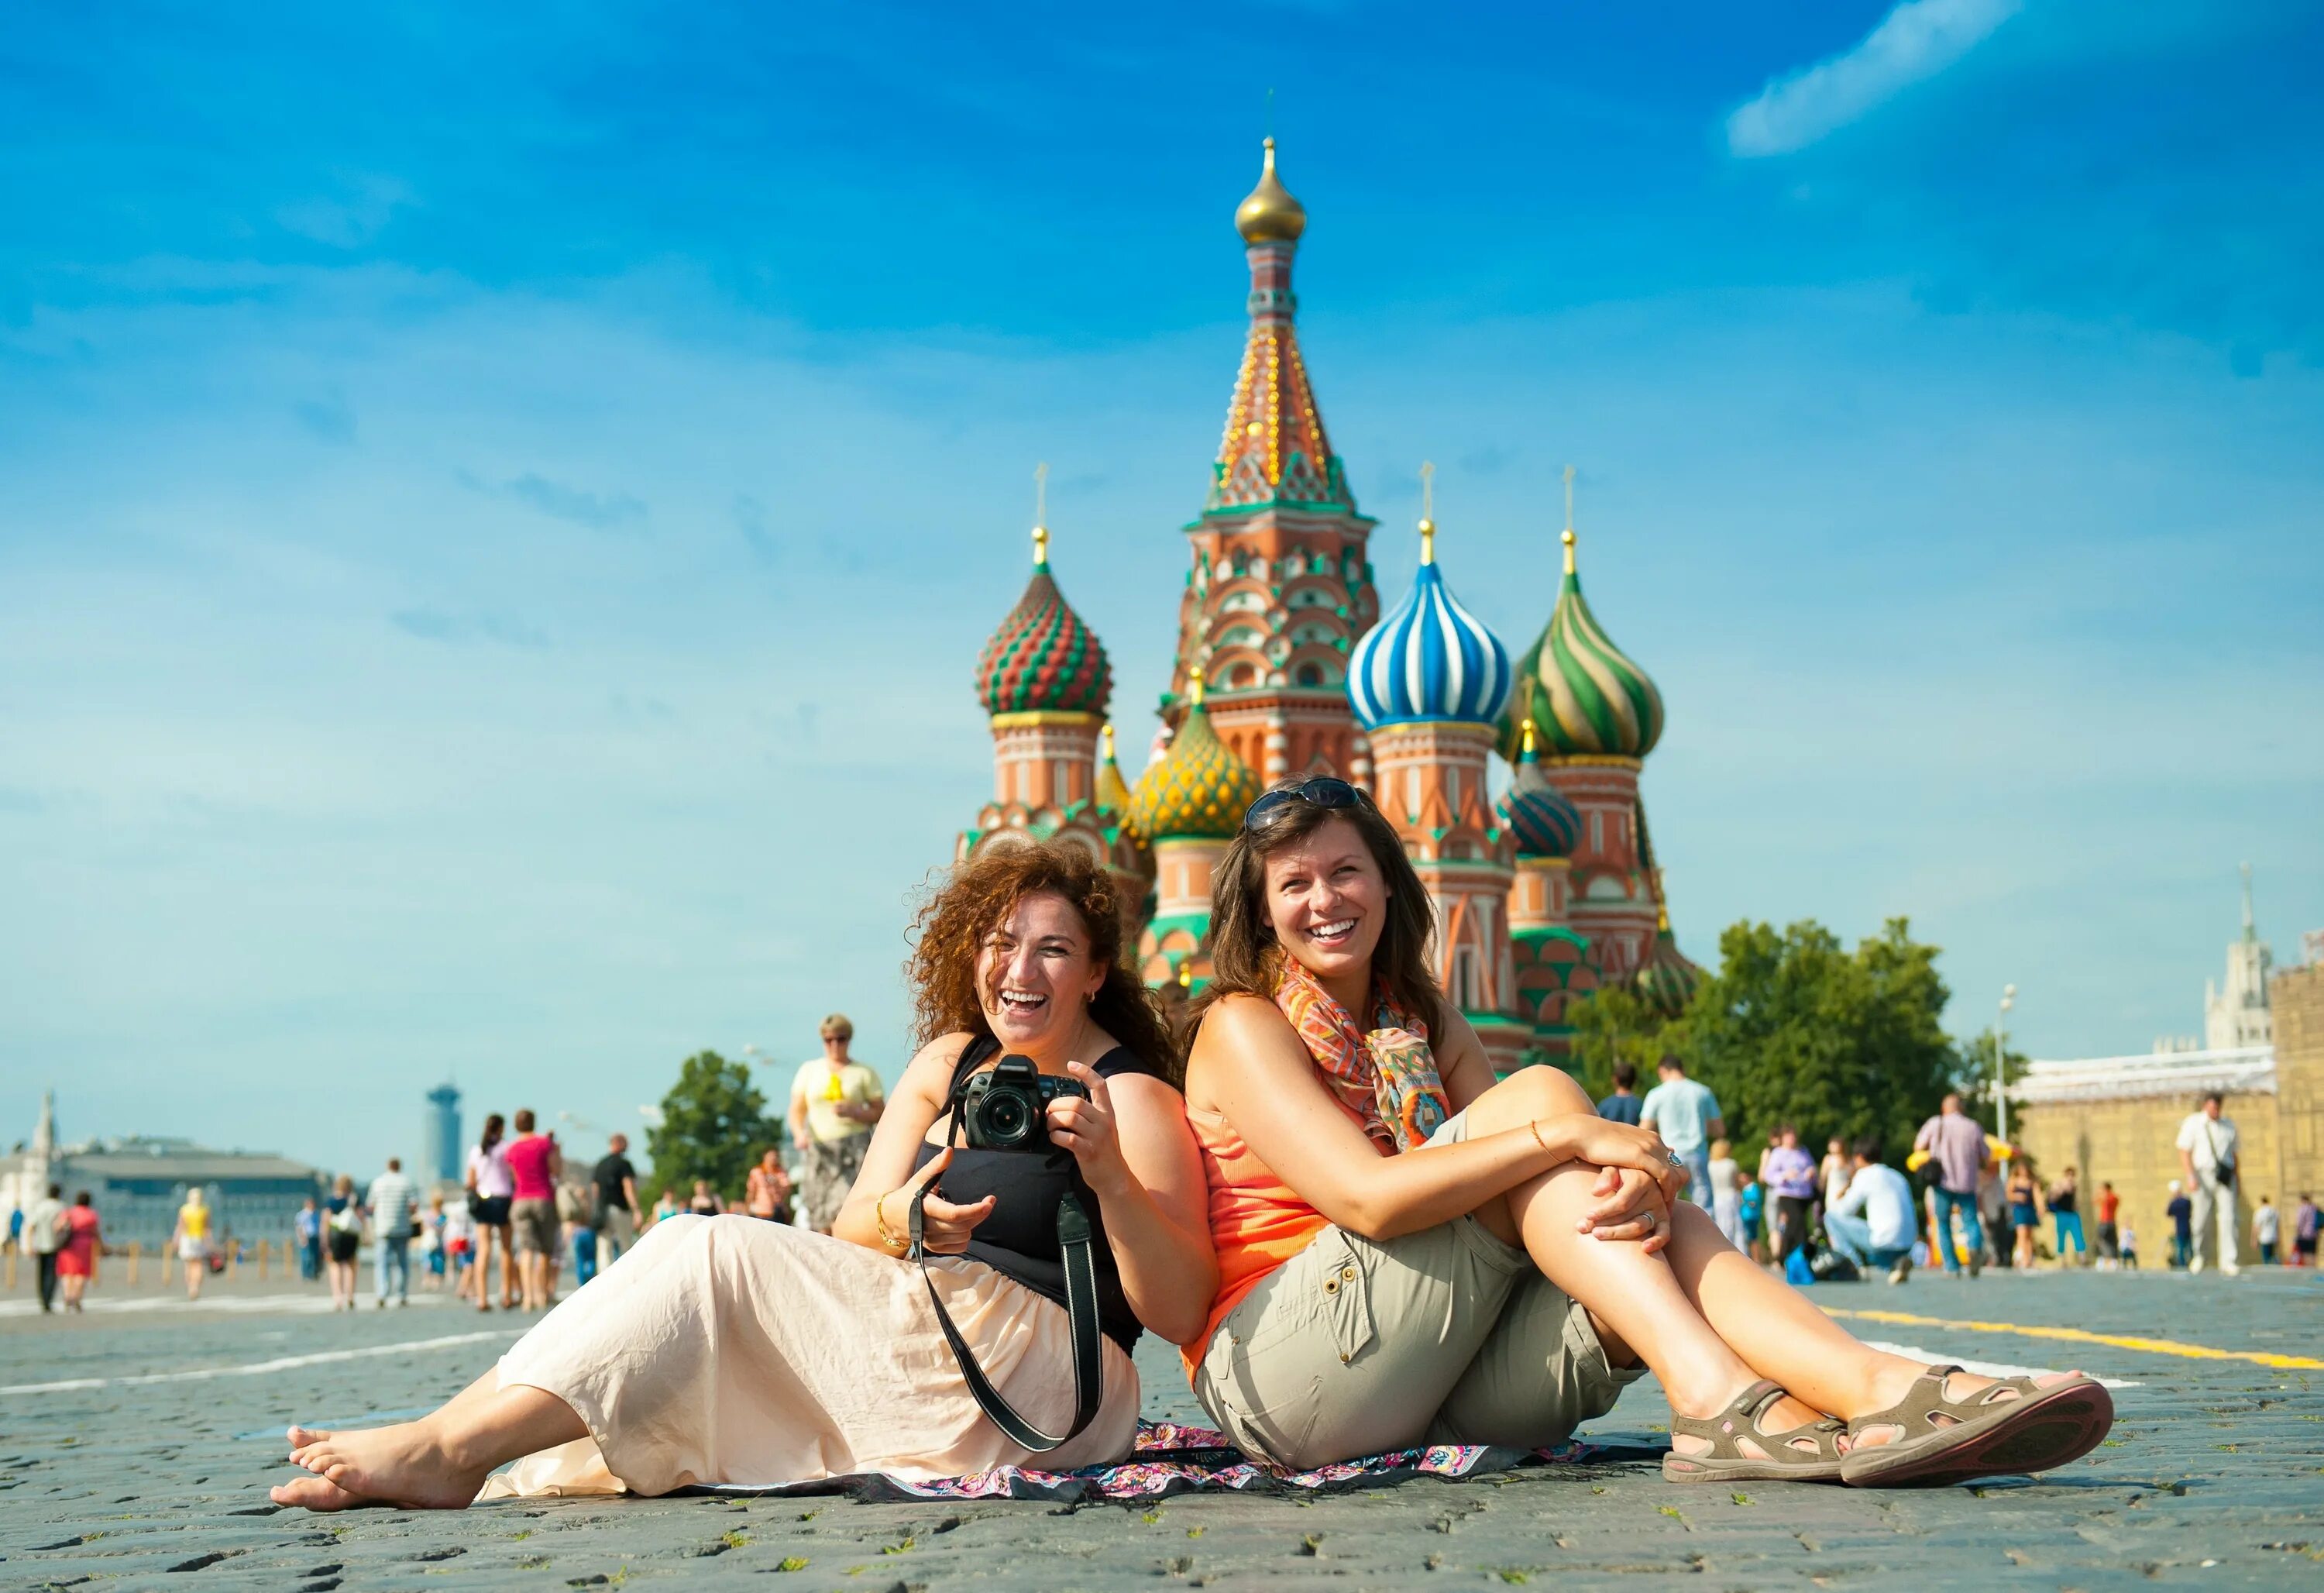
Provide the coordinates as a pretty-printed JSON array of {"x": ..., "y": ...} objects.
[
  {"x": 2235, "y": 1015},
  {"x": 137, "y": 1184},
  {"x": 440, "y": 1159}
]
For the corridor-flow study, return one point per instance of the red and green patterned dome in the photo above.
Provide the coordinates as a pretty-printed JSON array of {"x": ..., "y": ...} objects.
[{"x": 1043, "y": 659}]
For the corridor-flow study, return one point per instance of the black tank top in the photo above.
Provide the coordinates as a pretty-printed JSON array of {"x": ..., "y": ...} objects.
[{"x": 1019, "y": 1239}]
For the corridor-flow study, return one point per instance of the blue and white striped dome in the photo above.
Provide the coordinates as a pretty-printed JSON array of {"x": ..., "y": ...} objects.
[{"x": 1429, "y": 658}]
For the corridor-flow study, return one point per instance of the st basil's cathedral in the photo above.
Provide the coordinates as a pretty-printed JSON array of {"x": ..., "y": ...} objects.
[{"x": 1287, "y": 665}]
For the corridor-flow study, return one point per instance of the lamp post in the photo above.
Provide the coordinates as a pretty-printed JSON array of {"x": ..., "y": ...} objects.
[{"x": 2000, "y": 1080}]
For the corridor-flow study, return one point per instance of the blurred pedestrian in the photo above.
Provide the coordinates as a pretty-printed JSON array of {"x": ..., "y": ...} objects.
[
  {"x": 1790, "y": 1173},
  {"x": 342, "y": 1221},
  {"x": 1726, "y": 1194},
  {"x": 617, "y": 1201},
  {"x": 489, "y": 1191},
  {"x": 2065, "y": 1198},
  {"x": 2303, "y": 1233},
  {"x": 434, "y": 1264},
  {"x": 1870, "y": 1221},
  {"x": 2109, "y": 1251},
  {"x": 534, "y": 1167},
  {"x": 2025, "y": 1214},
  {"x": 2126, "y": 1245},
  {"x": 1834, "y": 1172},
  {"x": 392, "y": 1201},
  {"x": 835, "y": 1101},
  {"x": 2208, "y": 1147},
  {"x": 84, "y": 1241},
  {"x": 577, "y": 1210},
  {"x": 190, "y": 1239},
  {"x": 767, "y": 1193},
  {"x": 45, "y": 1235},
  {"x": 2265, "y": 1230},
  {"x": 704, "y": 1201},
  {"x": 2182, "y": 1213},
  {"x": 1751, "y": 1212},
  {"x": 306, "y": 1233},
  {"x": 1686, "y": 1114},
  {"x": 459, "y": 1244},
  {"x": 1956, "y": 1144},
  {"x": 1623, "y": 1106},
  {"x": 669, "y": 1206}
]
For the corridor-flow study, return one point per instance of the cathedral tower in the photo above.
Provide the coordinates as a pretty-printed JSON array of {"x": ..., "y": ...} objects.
[
  {"x": 1279, "y": 588},
  {"x": 1598, "y": 714},
  {"x": 1044, "y": 679},
  {"x": 1426, "y": 682}
]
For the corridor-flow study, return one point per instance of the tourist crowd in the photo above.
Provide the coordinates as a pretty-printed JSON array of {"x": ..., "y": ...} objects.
[{"x": 1979, "y": 1201}]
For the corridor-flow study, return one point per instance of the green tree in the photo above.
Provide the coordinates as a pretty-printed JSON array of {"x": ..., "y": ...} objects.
[
  {"x": 1796, "y": 1028},
  {"x": 713, "y": 1125},
  {"x": 1612, "y": 1023}
]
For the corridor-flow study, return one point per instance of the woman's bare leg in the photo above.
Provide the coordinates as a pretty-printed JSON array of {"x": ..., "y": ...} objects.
[{"x": 436, "y": 1463}]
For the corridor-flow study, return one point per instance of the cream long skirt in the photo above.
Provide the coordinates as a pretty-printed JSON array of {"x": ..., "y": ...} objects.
[{"x": 730, "y": 1349}]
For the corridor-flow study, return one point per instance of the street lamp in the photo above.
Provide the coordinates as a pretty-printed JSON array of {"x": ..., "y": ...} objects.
[{"x": 2000, "y": 1080}]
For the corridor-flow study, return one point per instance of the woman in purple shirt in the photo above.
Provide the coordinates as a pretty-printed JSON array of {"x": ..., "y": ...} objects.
[{"x": 1789, "y": 1173}]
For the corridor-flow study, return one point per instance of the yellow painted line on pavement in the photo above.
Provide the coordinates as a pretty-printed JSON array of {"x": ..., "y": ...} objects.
[{"x": 2196, "y": 1352}]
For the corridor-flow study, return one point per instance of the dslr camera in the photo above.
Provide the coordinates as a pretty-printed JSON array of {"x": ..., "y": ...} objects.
[{"x": 1008, "y": 1109}]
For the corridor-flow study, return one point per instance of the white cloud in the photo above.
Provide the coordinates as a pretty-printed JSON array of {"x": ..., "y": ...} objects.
[{"x": 1915, "y": 41}]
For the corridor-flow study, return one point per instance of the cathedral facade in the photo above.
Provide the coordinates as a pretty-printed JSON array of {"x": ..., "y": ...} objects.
[{"x": 1286, "y": 665}]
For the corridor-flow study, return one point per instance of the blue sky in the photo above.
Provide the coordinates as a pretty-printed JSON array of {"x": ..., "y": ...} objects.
[{"x": 497, "y": 512}]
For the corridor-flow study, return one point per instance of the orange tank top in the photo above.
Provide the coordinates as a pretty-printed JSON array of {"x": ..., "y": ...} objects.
[{"x": 1256, "y": 1223}]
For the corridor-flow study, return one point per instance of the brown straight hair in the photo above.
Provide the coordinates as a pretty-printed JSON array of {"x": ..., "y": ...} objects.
[{"x": 1244, "y": 952}]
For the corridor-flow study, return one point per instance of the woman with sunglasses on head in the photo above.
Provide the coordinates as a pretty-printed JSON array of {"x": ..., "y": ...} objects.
[
  {"x": 1410, "y": 1251},
  {"x": 725, "y": 1349}
]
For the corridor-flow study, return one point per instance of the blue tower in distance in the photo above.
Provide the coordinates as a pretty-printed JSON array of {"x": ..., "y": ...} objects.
[{"x": 442, "y": 1138}]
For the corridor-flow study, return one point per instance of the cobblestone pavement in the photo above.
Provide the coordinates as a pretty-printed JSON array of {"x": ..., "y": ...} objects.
[{"x": 2214, "y": 1476}]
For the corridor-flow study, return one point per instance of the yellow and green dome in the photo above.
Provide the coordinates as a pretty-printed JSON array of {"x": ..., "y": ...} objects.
[
  {"x": 1198, "y": 789},
  {"x": 1584, "y": 693},
  {"x": 1667, "y": 981}
]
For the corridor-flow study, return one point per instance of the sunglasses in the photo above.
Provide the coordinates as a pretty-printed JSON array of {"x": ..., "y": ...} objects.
[{"x": 1323, "y": 792}]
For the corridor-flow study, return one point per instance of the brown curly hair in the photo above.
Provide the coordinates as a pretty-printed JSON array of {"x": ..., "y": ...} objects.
[{"x": 962, "y": 909}]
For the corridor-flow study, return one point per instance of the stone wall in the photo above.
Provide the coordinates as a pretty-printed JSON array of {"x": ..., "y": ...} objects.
[{"x": 2132, "y": 1142}]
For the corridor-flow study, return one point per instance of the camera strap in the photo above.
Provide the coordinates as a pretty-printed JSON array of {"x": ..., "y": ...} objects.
[{"x": 1081, "y": 1318}]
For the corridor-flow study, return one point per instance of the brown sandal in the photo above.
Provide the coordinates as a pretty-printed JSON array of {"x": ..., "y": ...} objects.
[
  {"x": 1727, "y": 1461},
  {"x": 1946, "y": 1440}
]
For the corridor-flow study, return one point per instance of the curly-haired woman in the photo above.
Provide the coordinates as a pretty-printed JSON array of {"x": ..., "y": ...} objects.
[
  {"x": 1411, "y": 1252},
  {"x": 728, "y": 1350}
]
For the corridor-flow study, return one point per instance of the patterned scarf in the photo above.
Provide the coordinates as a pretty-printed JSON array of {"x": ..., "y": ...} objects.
[{"x": 1386, "y": 1076}]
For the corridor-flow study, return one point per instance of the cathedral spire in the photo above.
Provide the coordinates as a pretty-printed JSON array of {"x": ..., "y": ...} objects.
[{"x": 1275, "y": 451}]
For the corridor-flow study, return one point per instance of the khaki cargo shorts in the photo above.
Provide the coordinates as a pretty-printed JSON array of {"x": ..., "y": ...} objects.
[
  {"x": 1447, "y": 1335},
  {"x": 533, "y": 1225}
]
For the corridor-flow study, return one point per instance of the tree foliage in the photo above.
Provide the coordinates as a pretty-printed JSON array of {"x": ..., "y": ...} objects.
[
  {"x": 1795, "y": 1028},
  {"x": 713, "y": 1125},
  {"x": 1974, "y": 1077}
]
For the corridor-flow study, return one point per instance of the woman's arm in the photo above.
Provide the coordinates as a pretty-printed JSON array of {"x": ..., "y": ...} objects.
[
  {"x": 882, "y": 1188},
  {"x": 1137, "y": 1156},
  {"x": 1251, "y": 1065}
]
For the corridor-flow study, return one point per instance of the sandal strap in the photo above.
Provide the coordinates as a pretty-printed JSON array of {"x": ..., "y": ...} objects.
[
  {"x": 1927, "y": 1398},
  {"x": 1741, "y": 1420}
]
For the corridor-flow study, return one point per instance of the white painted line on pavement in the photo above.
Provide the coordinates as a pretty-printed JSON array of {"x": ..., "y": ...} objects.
[
  {"x": 280, "y": 1363},
  {"x": 1979, "y": 1368}
]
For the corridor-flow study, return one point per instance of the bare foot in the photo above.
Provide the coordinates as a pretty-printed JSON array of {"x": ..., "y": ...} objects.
[
  {"x": 312, "y": 1493},
  {"x": 408, "y": 1464},
  {"x": 1892, "y": 1387}
]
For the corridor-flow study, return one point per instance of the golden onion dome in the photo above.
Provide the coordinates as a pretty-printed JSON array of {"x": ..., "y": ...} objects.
[
  {"x": 1198, "y": 789},
  {"x": 1270, "y": 214}
]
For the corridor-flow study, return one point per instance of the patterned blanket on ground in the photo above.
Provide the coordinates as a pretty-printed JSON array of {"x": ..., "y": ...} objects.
[{"x": 1173, "y": 1459}]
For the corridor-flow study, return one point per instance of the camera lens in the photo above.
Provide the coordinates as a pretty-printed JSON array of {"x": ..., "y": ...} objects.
[{"x": 1008, "y": 1117}]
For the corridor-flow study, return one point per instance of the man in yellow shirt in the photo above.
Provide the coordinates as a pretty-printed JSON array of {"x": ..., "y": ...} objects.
[{"x": 835, "y": 1101}]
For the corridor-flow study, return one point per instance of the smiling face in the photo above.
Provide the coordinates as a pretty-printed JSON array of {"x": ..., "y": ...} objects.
[
  {"x": 1036, "y": 974},
  {"x": 1326, "y": 901}
]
